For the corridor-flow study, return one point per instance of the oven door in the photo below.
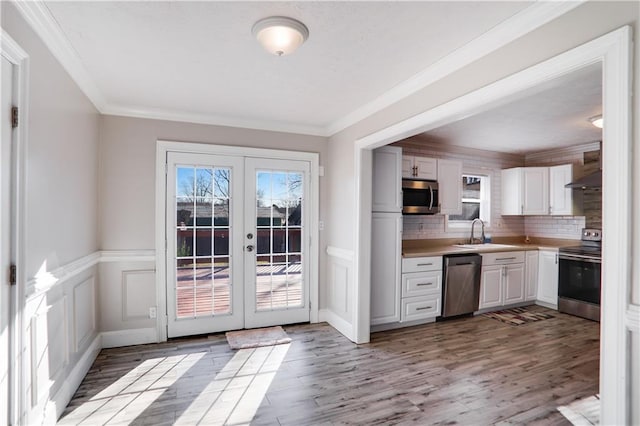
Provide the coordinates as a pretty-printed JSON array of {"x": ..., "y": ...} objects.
[{"x": 579, "y": 278}]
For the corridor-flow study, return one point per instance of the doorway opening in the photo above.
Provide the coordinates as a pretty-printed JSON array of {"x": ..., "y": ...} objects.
[{"x": 613, "y": 51}]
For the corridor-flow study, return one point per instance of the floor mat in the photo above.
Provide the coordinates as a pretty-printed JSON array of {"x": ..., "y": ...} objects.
[
  {"x": 257, "y": 337},
  {"x": 583, "y": 412},
  {"x": 518, "y": 316}
]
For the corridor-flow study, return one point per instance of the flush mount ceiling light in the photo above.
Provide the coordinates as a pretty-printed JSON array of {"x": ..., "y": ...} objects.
[
  {"x": 596, "y": 121},
  {"x": 280, "y": 35}
]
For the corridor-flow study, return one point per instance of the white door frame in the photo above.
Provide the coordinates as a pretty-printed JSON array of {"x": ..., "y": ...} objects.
[
  {"x": 613, "y": 50},
  {"x": 163, "y": 147},
  {"x": 20, "y": 60}
]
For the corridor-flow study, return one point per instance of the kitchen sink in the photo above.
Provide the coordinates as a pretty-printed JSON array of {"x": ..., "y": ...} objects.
[{"x": 487, "y": 246}]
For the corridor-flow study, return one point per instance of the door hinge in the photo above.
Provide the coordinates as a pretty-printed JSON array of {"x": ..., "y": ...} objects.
[
  {"x": 14, "y": 117},
  {"x": 12, "y": 274}
]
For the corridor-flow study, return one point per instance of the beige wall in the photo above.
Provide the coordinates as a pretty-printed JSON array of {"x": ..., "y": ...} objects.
[
  {"x": 59, "y": 324},
  {"x": 127, "y": 194},
  {"x": 61, "y": 159}
]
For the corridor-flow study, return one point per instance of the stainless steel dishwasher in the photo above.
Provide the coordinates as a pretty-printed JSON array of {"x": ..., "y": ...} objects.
[{"x": 461, "y": 289}]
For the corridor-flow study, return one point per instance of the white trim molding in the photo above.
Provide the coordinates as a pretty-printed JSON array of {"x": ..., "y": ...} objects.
[
  {"x": 613, "y": 51},
  {"x": 529, "y": 19},
  {"x": 340, "y": 253},
  {"x": 135, "y": 336},
  {"x": 73, "y": 380},
  {"x": 38, "y": 15},
  {"x": 127, "y": 256},
  {"x": 21, "y": 61},
  {"x": 633, "y": 318},
  {"x": 44, "y": 281},
  {"x": 344, "y": 327}
]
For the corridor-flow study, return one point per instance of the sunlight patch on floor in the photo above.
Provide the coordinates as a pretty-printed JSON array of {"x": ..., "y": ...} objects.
[
  {"x": 124, "y": 400},
  {"x": 235, "y": 394}
]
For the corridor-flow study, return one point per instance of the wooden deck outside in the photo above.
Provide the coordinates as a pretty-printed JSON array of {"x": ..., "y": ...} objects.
[{"x": 206, "y": 292}]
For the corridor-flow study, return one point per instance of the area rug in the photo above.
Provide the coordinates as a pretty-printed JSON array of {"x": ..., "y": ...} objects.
[
  {"x": 518, "y": 316},
  {"x": 257, "y": 337},
  {"x": 583, "y": 412}
]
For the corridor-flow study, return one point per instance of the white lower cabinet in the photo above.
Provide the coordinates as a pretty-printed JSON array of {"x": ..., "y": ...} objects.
[
  {"x": 548, "y": 277},
  {"x": 421, "y": 288},
  {"x": 531, "y": 270},
  {"x": 503, "y": 279},
  {"x": 491, "y": 287},
  {"x": 421, "y": 307}
]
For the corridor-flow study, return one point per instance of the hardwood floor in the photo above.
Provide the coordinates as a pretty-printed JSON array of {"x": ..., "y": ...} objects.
[{"x": 470, "y": 371}]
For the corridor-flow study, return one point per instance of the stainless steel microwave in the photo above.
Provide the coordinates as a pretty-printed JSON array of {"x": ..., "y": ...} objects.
[{"x": 420, "y": 197}]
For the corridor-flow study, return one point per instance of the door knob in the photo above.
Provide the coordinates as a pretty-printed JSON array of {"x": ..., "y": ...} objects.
[
  {"x": 249, "y": 235},
  {"x": 249, "y": 248}
]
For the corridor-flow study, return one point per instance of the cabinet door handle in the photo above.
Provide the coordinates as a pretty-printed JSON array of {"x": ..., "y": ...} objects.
[
  {"x": 423, "y": 284},
  {"x": 422, "y": 308},
  {"x": 556, "y": 259},
  {"x": 522, "y": 209},
  {"x": 506, "y": 258},
  {"x": 425, "y": 264}
]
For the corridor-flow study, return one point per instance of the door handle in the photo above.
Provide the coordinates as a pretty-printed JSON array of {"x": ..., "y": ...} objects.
[{"x": 250, "y": 248}]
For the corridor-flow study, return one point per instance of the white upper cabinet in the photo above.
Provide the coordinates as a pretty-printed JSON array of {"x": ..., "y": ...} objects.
[
  {"x": 419, "y": 167},
  {"x": 525, "y": 191},
  {"x": 560, "y": 198},
  {"x": 535, "y": 197},
  {"x": 387, "y": 181},
  {"x": 450, "y": 186}
]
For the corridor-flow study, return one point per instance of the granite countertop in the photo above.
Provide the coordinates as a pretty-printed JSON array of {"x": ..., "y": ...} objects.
[{"x": 441, "y": 247}]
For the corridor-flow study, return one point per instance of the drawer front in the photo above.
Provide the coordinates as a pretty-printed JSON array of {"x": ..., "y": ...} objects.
[
  {"x": 421, "y": 307},
  {"x": 422, "y": 264},
  {"x": 503, "y": 258},
  {"x": 421, "y": 283}
]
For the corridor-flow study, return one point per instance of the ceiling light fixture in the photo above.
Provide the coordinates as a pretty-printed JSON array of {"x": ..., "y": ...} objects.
[
  {"x": 280, "y": 35},
  {"x": 596, "y": 121}
]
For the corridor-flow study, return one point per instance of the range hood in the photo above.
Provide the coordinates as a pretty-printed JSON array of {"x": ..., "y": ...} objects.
[{"x": 593, "y": 180}]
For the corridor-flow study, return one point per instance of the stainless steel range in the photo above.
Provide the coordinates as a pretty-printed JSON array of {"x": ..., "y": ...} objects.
[{"x": 580, "y": 275}]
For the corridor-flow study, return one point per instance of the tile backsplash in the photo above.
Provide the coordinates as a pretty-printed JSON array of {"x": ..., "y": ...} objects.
[{"x": 565, "y": 227}]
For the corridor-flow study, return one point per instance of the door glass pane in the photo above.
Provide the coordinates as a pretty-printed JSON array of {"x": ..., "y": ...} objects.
[
  {"x": 279, "y": 196},
  {"x": 203, "y": 230}
]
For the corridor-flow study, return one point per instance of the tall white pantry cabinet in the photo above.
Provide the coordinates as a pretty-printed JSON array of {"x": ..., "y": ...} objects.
[{"x": 386, "y": 235}]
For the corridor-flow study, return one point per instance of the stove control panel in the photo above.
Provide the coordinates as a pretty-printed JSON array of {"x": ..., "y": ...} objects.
[{"x": 589, "y": 234}]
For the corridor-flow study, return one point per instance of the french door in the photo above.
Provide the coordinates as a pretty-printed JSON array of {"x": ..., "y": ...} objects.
[{"x": 237, "y": 245}]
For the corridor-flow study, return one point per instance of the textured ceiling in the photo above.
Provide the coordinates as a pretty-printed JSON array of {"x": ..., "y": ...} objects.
[
  {"x": 550, "y": 116},
  {"x": 200, "y": 57}
]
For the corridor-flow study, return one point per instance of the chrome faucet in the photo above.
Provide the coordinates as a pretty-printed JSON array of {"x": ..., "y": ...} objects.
[{"x": 471, "y": 238}]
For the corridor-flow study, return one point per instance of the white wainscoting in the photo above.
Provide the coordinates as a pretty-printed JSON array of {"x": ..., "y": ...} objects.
[
  {"x": 60, "y": 317},
  {"x": 340, "y": 301},
  {"x": 60, "y": 338}
]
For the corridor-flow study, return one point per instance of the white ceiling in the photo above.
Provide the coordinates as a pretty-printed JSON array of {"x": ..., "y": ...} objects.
[
  {"x": 199, "y": 58},
  {"x": 550, "y": 116}
]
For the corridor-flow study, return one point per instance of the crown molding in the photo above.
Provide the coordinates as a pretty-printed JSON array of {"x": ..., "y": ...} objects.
[
  {"x": 502, "y": 34},
  {"x": 38, "y": 16},
  {"x": 214, "y": 120}
]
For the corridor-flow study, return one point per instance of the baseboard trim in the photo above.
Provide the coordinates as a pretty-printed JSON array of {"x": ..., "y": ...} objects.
[
  {"x": 343, "y": 326},
  {"x": 546, "y": 305},
  {"x": 135, "y": 336},
  {"x": 74, "y": 379}
]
